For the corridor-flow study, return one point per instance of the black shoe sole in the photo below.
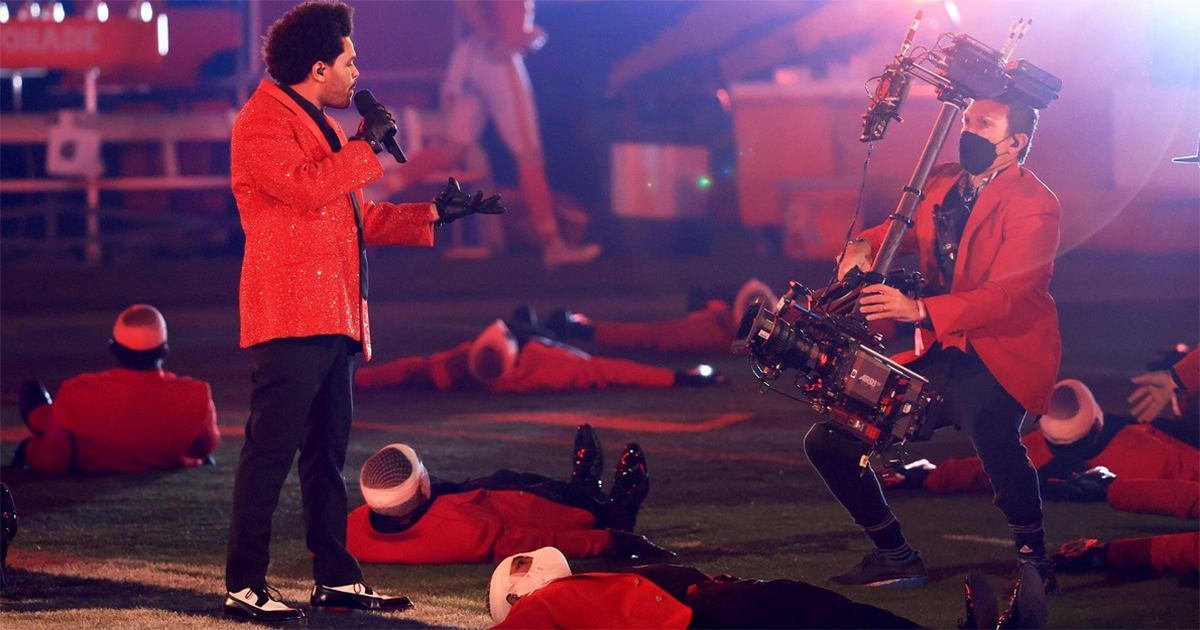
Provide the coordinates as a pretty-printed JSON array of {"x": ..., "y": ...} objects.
[
  {"x": 238, "y": 613},
  {"x": 354, "y": 602}
]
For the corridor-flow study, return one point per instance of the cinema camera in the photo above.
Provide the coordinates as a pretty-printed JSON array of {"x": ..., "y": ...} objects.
[{"x": 841, "y": 368}]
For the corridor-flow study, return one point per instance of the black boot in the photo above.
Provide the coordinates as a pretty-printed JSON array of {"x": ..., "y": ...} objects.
[
  {"x": 570, "y": 326},
  {"x": 631, "y": 484},
  {"x": 982, "y": 609},
  {"x": 32, "y": 396},
  {"x": 589, "y": 462},
  {"x": 700, "y": 376}
]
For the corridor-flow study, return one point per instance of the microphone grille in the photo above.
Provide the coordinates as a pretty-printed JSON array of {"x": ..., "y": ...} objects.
[{"x": 363, "y": 100}]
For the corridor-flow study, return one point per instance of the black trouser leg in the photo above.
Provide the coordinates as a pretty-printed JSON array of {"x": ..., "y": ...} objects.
[
  {"x": 835, "y": 454},
  {"x": 782, "y": 604},
  {"x": 978, "y": 404},
  {"x": 322, "y": 486},
  {"x": 288, "y": 374}
]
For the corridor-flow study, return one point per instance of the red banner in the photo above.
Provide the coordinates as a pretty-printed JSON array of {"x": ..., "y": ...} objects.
[{"x": 78, "y": 43}]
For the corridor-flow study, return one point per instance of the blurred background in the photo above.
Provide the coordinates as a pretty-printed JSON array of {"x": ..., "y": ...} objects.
[{"x": 668, "y": 126}]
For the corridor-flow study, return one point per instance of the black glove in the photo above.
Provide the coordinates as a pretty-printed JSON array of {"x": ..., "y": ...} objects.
[
  {"x": 629, "y": 545},
  {"x": 453, "y": 204},
  {"x": 1091, "y": 485},
  {"x": 377, "y": 125}
]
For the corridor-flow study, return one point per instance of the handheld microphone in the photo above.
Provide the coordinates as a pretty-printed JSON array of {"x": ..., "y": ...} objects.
[{"x": 364, "y": 101}]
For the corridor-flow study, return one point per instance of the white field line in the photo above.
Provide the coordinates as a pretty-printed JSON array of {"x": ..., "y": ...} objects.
[{"x": 1003, "y": 542}]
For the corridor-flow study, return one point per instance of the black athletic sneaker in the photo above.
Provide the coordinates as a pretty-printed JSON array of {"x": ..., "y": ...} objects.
[
  {"x": 1027, "y": 606},
  {"x": 875, "y": 570},
  {"x": 1044, "y": 568}
]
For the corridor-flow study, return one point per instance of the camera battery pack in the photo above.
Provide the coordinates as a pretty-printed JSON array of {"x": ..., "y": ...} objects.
[{"x": 1037, "y": 87}]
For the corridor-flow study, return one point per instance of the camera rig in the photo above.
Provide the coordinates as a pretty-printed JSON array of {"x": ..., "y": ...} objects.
[{"x": 841, "y": 368}]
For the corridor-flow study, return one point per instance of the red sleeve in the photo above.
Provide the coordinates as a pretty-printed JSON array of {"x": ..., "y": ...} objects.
[
  {"x": 292, "y": 173},
  {"x": 210, "y": 436},
  {"x": 1171, "y": 497},
  {"x": 1170, "y": 553},
  {"x": 448, "y": 368},
  {"x": 964, "y": 475},
  {"x": 955, "y": 476},
  {"x": 398, "y": 224}
]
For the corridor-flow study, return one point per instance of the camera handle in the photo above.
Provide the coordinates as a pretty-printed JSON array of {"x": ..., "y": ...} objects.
[{"x": 914, "y": 192}]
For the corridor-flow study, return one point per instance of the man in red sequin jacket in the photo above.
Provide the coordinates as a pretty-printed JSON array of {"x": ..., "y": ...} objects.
[{"x": 303, "y": 299}]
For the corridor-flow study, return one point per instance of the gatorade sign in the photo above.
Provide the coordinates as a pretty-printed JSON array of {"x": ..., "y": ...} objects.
[{"x": 78, "y": 43}]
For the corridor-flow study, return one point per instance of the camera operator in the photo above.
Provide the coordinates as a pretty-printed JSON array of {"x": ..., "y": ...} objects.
[{"x": 986, "y": 233}]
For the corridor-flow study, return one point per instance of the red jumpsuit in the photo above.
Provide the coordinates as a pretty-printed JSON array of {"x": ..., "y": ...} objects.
[
  {"x": 1156, "y": 473},
  {"x": 479, "y": 526},
  {"x": 598, "y": 600},
  {"x": 707, "y": 330},
  {"x": 673, "y": 596},
  {"x": 1169, "y": 553},
  {"x": 539, "y": 367},
  {"x": 125, "y": 421}
]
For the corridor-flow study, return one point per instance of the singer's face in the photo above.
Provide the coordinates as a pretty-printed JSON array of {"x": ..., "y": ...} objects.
[{"x": 340, "y": 78}]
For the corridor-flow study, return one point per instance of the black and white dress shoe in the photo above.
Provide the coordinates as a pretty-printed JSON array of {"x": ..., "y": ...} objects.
[
  {"x": 260, "y": 604},
  {"x": 357, "y": 596}
]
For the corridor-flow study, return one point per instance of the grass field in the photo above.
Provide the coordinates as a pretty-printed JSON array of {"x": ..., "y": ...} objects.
[{"x": 731, "y": 489}]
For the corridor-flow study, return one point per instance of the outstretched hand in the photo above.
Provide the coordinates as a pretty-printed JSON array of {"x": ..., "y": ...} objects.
[
  {"x": 454, "y": 204},
  {"x": 1155, "y": 393}
]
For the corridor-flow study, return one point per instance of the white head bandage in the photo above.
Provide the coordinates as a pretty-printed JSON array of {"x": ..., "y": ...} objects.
[
  {"x": 751, "y": 291},
  {"x": 140, "y": 327},
  {"x": 493, "y": 354},
  {"x": 545, "y": 566},
  {"x": 1073, "y": 413},
  {"x": 393, "y": 481}
]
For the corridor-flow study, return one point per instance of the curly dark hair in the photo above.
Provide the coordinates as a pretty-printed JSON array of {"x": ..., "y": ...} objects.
[{"x": 308, "y": 33}]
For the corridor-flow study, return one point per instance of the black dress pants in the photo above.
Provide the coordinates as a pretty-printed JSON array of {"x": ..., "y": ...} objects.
[
  {"x": 729, "y": 602},
  {"x": 302, "y": 400}
]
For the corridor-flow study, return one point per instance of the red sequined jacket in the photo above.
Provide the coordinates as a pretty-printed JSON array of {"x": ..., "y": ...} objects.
[{"x": 301, "y": 265}]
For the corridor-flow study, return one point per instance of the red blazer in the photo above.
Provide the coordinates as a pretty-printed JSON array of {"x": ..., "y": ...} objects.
[
  {"x": 999, "y": 304},
  {"x": 125, "y": 421},
  {"x": 300, "y": 271},
  {"x": 479, "y": 526},
  {"x": 598, "y": 600}
]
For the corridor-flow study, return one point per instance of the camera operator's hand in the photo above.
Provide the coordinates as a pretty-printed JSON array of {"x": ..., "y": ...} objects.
[
  {"x": 857, "y": 254},
  {"x": 377, "y": 125},
  {"x": 454, "y": 204},
  {"x": 879, "y": 301}
]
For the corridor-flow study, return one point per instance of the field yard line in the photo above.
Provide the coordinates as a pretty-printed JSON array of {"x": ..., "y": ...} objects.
[{"x": 1003, "y": 542}]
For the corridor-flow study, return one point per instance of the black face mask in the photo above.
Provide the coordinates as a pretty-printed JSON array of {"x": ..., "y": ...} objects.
[{"x": 976, "y": 153}]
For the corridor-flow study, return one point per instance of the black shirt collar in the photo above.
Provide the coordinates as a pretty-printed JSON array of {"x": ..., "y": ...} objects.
[{"x": 317, "y": 115}]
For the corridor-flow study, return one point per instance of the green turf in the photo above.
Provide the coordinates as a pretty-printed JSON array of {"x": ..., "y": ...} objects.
[{"x": 739, "y": 499}]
